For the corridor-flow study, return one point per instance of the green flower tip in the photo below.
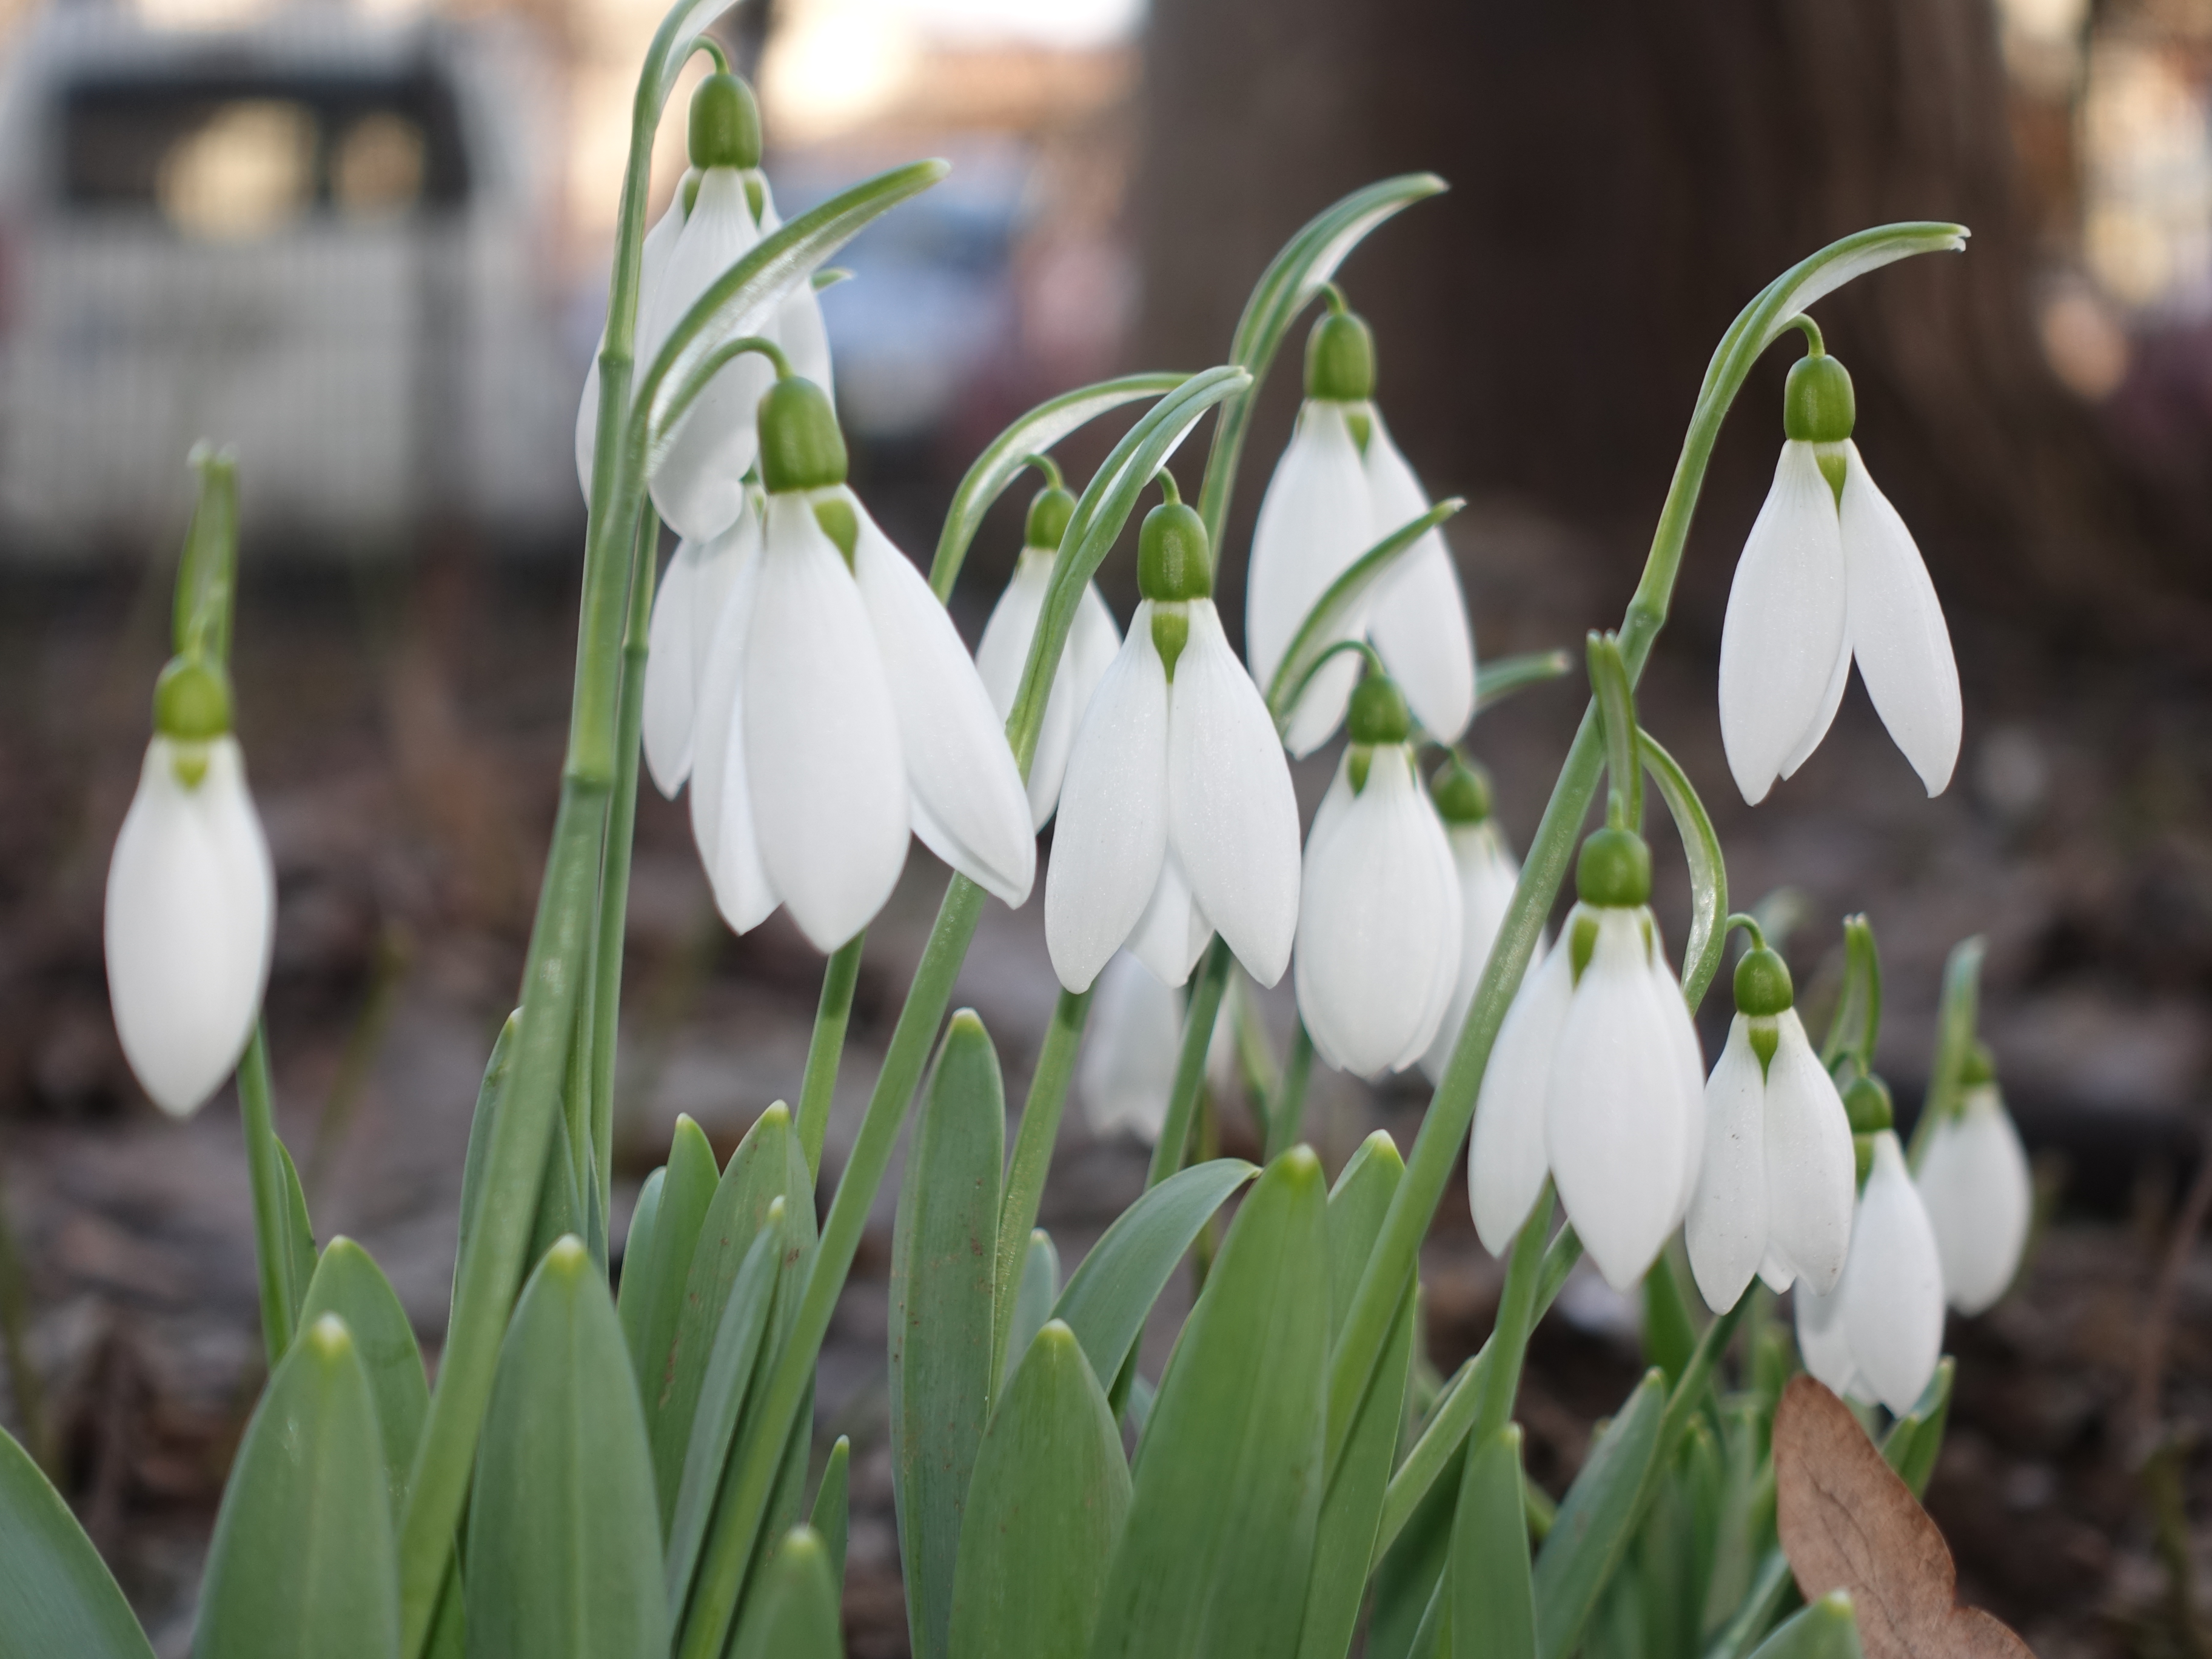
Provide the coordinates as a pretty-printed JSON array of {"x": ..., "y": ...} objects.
[
  {"x": 328, "y": 1338},
  {"x": 1762, "y": 983},
  {"x": 1460, "y": 790},
  {"x": 1615, "y": 870},
  {"x": 1817, "y": 404},
  {"x": 1173, "y": 564},
  {"x": 192, "y": 700},
  {"x": 1340, "y": 358},
  {"x": 1378, "y": 712},
  {"x": 1867, "y": 1105},
  {"x": 800, "y": 445},
  {"x": 726, "y": 124},
  {"x": 1980, "y": 1066},
  {"x": 1050, "y": 509}
]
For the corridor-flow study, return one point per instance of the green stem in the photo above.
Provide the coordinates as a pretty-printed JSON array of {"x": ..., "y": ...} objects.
[
  {"x": 265, "y": 1169},
  {"x": 1025, "y": 1175},
  {"x": 1286, "y": 1111},
  {"x": 1190, "y": 1062},
  {"x": 826, "y": 1048}
]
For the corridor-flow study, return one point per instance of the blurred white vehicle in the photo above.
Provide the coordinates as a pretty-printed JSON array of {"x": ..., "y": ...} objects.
[{"x": 323, "y": 239}]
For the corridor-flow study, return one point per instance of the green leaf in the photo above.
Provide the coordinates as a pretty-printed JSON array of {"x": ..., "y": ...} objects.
[
  {"x": 794, "y": 1614},
  {"x": 655, "y": 1268},
  {"x": 57, "y": 1596},
  {"x": 1826, "y": 1630},
  {"x": 1596, "y": 1520},
  {"x": 1669, "y": 1337},
  {"x": 1352, "y": 1508},
  {"x": 480, "y": 1130},
  {"x": 1857, "y": 1020},
  {"x": 729, "y": 1376},
  {"x": 1614, "y": 694},
  {"x": 299, "y": 1236},
  {"x": 560, "y": 1204},
  {"x": 348, "y": 1283},
  {"x": 1331, "y": 617},
  {"x": 1499, "y": 679},
  {"x": 1289, "y": 284},
  {"x": 1956, "y": 1015},
  {"x": 1409, "y": 1566},
  {"x": 302, "y": 1559},
  {"x": 1220, "y": 1536},
  {"x": 1033, "y": 1301},
  {"x": 564, "y": 1546},
  {"x": 943, "y": 1250},
  {"x": 1494, "y": 1609},
  {"x": 1004, "y": 456},
  {"x": 1047, "y": 1505},
  {"x": 831, "y": 1516},
  {"x": 1915, "y": 1439},
  {"x": 1356, "y": 1207},
  {"x": 1701, "y": 847}
]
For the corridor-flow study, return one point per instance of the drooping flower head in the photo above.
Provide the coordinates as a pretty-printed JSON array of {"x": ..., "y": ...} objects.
[
  {"x": 1830, "y": 574},
  {"x": 1487, "y": 876},
  {"x": 1775, "y": 1192},
  {"x": 1379, "y": 915},
  {"x": 1004, "y": 652},
  {"x": 1133, "y": 1042},
  {"x": 1980, "y": 1196},
  {"x": 1176, "y": 816},
  {"x": 1340, "y": 487}
]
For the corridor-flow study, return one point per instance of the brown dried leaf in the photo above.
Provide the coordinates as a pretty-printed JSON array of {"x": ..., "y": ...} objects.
[{"x": 1848, "y": 1523}]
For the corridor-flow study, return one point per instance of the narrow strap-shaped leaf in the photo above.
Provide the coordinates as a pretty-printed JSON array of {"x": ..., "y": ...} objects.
[
  {"x": 1915, "y": 1440},
  {"x": 1596, "y": 1520},
  {"x": 655, "y": 1268},
  {"x": 302, "y": 1559},
  {"x": 480, "y": 1131},
  {"x": 831, "y": 1515},
  {"x": 564, "y": 1544},
  {"x": 636, "y": 1250},
  {"x": 1826, "y": 1630},
  {"x": 1004, "y": 456},
  {"x": 299, "y": 1234},
  {"x": 794, "y": 1614},
  {"x": 1409, "y": 1575},
  {"x": 1033, "y": 1298},
  {"x": 1220, "y": 1535},
  {"x": 1332, "y": 611},
  {"x": 57, "y": 1595},
  {"x": 1356, "y": 1205},
  {"x": 1956, "y": 1015},
  {"x": 1857, "y": 1020},
  {"x": 943, "y": 1250},
  {"x": 1701, "y": 951},
  {"x": 1499, "y": 678},
  {"x": 1669, "y": 1337},
  {"x": 1493, "y": 1611},
  {"x": 1107, "y": 1301},
  {"x": 348, "y": 1283},
  {"x": 1044, "y": 1513}
]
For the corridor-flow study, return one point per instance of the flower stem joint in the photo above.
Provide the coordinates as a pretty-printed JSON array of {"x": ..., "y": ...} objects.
[
  {"x": 1867, "y": 1105},
  {"x": 1341, "y": 357},
  {"x": 1174, "y": 567},
  {"x": 726, "y": 125},
  {"x": 1461, "y": 792},
  {"x": 1050, "y": 510},
  {"x": 1615, "y": 870}
]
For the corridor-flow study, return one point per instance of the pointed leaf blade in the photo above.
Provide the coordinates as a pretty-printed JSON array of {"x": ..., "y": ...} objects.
[
  {"x": 1591, "y": 1532},
  {"x": 1494, "y": 1613},
  {"x": 348, "y": 1283},
  {"x": 57, "y": 1595},
  {"x": 655, "y": 1267}
]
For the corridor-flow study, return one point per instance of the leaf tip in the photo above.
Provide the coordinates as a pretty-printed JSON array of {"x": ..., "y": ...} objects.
[
  {"x": 777, "y": 1117},
  {"x": 1299, "y": 1167},
  {"x": 328, "y": 1340},
  {"x": 567, "y": 1257}
]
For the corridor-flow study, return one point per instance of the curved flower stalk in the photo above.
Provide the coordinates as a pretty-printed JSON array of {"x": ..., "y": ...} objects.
[
  {"x": 1340, "y": 487},
  {"x": 853, "y": 715},
  {"x": 1379, "y": 915},
  {"x": 1829, "y": 573},
  {"x": 1004, "y": 651},
  {"x": 1878, "y": 1334},
  {"x": 1980, "y": 1196},
  {"x": 191, "y": 898},
  {"x": 1176, "y": 816},
  {"x": 687, "y": 617},
  {"x": 1487, "y": 875},
  {"x": 1775, "y": 1194}
]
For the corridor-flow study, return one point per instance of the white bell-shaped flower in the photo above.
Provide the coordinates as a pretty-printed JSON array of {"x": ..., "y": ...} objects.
[
  {"x": 1980, "y": 1196},
  {"x": 1133, "y": 1043},
  {"x": 1598, "y": 1077},
  {"x": 1829, "y": 576},
  {"x": 1340, "y": 487},
  {"x": 192, "y": 900},
  {"x": 653, "y": 259},
  {"x": 1378, "y": 941},
  {"x": 1775, "y": 1190},
  {"x": 840, "y": 710},
  {"x": 1176, "y": 815},
  {"x": 1879, "y": 1335},
  {"x": 1004, "y": 651},
  {"x": 1488, "y": 873},
  {"x": 687, "y": 611}
]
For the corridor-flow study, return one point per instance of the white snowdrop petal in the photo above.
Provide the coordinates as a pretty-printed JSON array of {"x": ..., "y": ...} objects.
[
  {"x": 670, "y": 679},
  {"x": 1126, "y": 1068},
  {"x": 1487, "y": 876},
  {"x": 1898, "y": 631},
  {"x": 653, "y": 260},
  {"x": 717, "y": 233},
  {"x": 1444, "y": 965},
  {"x": 1231, "y": 811},
  {"x": 973, "y": 812},
  {"x": 1505, "y": 1158},
  {"x": 1112, "y": 835},
  {"x": 1812, "y": 1174},
  {"x": 804, "y": 337},
  {"x": 191, "y": 912},
  {"x": 1784, "y": 623},
  {"x": 1171, "y": 936},
  {"x": 823, "y": 757},
  {"x": 1840, "y": 677},
  {"x": 1892, "y": 1288},
  {"x": 1418, "y": 618},
  {"x": 1821, "y": 1342},
  {"x": 721, "y": 795},
  {"x": 1980, "y": 1198},
  {"x": 1687, "y": 1067},
  {"x": 1315, "y": 519},
  {"x": 698, "y": 483},
  {"x": 1727, "y": 1227}
]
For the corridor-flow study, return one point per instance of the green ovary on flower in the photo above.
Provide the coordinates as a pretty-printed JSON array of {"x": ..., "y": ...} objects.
[{"x": 800, "y": 445}]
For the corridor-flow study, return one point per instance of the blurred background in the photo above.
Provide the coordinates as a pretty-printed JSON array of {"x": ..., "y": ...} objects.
[{"x": 369, "y": 245}]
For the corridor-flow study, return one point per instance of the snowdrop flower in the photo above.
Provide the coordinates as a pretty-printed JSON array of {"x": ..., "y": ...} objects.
[
  {"x": 1774, "y": 1195},
  {"x": 1004, "y": 652},
  {"x": 686, "y": 613},
  {"x": 1598, "y": 1077},
  {"x": 840, "y": 710},
  {"x": 1878, "y": 1334},
  {"x": 1340, "y": 487},
  {"x": 1980, "y": 1197},
  {"x": 1132, "y": 1045},
  {"x": 1829, "y": 573},
  {"x": 191, "y": 898},
  {"x": 653, "y": 259},
  {"x": 1379, "y": 921},
  {"x": 1176, "y": 815},
  {"x": 1488, "y": 873}
]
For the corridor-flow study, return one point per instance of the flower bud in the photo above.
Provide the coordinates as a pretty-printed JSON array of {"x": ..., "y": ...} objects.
[
  {"x": 192, "y": 700},
  {"x": 800, "y": 445},
  {"x": 1615, "y": 870},
  {"x": 1341, "y": 359},
  {"x": 1817, "y": 404},
  {"x": 1762, "y": 983},
  {"x": 726, "y": 125},
  {"x": 1050, "y": 510},
  {"x": 1460, "y": 790}
]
